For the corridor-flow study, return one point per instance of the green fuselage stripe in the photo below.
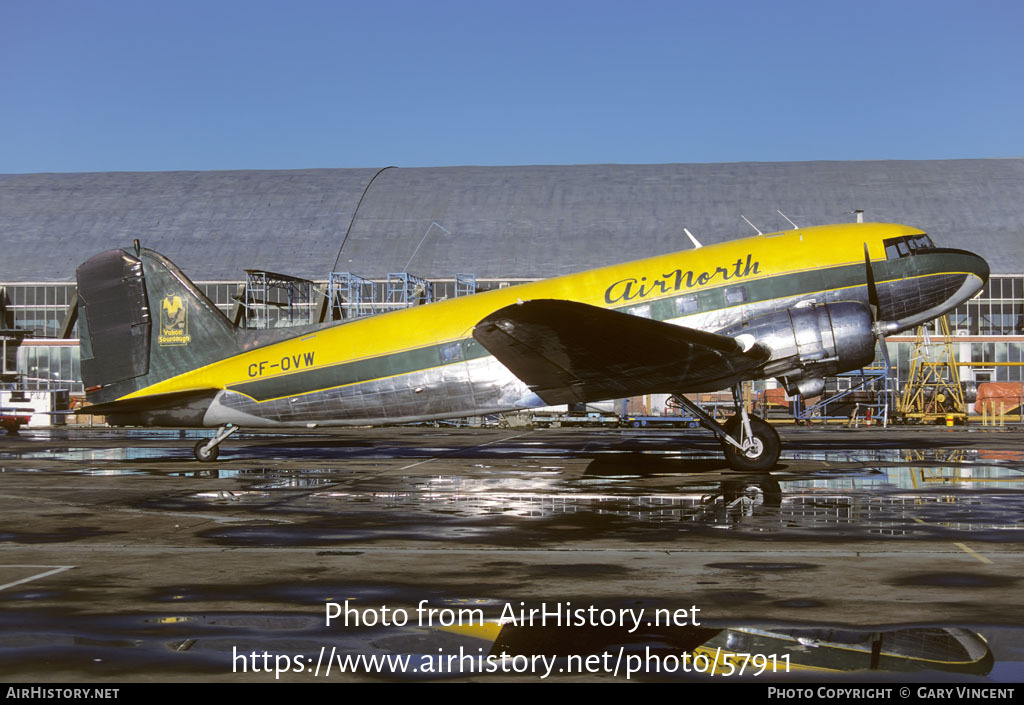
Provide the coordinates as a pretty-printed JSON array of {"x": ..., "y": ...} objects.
[{"x": 757, "y": 291}]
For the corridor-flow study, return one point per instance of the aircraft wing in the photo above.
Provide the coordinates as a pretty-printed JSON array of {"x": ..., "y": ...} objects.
[{"x": 573, "y": 352}]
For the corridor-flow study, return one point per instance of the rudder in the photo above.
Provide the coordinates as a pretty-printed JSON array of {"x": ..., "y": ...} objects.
[{"x": 141, "y": 320}]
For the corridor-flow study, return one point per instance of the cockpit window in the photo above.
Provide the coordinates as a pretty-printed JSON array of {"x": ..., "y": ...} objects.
[{"x": 907, "y": 245}]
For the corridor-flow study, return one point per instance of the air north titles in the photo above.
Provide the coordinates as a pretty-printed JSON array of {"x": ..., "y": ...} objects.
[{"x": 676, "y": 280}]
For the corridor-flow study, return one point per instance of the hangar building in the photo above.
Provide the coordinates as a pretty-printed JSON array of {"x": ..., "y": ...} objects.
[{"x": 501, "y": 224}]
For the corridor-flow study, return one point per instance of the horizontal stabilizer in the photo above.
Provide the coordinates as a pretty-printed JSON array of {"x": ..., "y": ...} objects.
[{"x": 173, "y": 409}]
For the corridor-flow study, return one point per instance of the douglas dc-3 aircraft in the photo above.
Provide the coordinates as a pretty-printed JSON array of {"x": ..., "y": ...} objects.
[{"x": 796, "y": 305}]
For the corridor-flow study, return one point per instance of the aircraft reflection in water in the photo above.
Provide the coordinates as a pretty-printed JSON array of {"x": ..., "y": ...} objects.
[
  {"x": 796, "y": 306},
  {"x": 887, "y": 501},
  {"x": 728, "y": 651}
]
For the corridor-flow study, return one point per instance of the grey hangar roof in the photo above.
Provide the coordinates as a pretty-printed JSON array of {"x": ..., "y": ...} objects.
[{"x": 496, "y": 222}]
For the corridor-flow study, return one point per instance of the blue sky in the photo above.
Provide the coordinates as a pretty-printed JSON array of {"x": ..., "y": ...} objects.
[{"x": 104, "y": 85}]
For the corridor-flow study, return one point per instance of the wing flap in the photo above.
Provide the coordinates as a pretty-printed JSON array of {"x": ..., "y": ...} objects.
[{"x": 570, "y": 352}]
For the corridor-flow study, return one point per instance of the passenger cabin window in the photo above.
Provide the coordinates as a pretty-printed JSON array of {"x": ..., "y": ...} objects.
[
  {"x": 686, "y": 305},
  {"x": 452, "y": 352},
  {"x": 735, "y": 294},
  {"x": 907, "y": 245},
  {"x": 643, "y": 310}
]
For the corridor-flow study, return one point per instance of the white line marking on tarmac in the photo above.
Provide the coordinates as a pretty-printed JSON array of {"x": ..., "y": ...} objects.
[{"x": 37, "y": 576}]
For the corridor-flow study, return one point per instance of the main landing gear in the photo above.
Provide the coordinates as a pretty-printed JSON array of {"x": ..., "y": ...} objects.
[
  {"x": 749, "y": 443},
  {"x": 207, "y": 450}
]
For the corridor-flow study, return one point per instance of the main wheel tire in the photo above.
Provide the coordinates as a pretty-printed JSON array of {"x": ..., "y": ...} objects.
[
  {"x": 203, "y": 455},
  {"x": 764, "y": 454}
]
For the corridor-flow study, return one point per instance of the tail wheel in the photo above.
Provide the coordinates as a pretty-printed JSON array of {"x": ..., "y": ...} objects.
[
  {"x": 764, "y": 452},
  {"x": 203, "y": 455}
]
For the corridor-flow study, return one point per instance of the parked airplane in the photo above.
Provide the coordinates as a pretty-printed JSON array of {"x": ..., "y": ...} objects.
[{"x": 796, "y": 305}]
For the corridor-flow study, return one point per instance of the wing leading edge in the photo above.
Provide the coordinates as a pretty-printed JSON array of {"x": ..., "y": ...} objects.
[{"x": 572, "y": 352}]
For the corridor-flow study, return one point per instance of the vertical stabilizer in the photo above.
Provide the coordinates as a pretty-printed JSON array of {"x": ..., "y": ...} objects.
[{"x": 141, "y": 320}]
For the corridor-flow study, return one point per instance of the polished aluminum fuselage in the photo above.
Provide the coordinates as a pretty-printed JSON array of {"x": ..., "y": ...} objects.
[{"x": 482, "y": 385}]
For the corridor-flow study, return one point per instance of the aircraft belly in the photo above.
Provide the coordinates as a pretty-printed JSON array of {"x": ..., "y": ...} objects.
[{"x": 472, "y": 387}]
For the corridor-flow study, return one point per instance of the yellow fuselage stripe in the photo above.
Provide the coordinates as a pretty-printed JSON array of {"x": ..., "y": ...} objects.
[{"x": 784, "y": 253}]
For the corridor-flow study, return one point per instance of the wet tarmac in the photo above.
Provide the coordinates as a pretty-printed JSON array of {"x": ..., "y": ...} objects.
[{"x": 866, "y": 554}]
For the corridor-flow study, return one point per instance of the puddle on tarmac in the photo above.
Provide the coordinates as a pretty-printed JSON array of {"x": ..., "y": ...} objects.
[
  {"x": 825, "y": 445},
  {"x": 951, "y": 503},
  {"x": 630, "y": 484},
  {"x": 99, "y": 454},
  {"x": 77, "y": 471},
  {"x": 478, "y": 645},
  {"x": 513, "y": 494}
]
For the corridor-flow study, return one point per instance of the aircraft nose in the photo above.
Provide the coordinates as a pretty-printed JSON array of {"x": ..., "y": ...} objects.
[
  {"x": 979, "y": 267},
  {"x": 975, "y": 265},
  {"x": 952, "y": 277}
]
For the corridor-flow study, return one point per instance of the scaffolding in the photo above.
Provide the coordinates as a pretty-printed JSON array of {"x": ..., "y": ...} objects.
[
  {"x": 868, "y": 390},
  {"x": 404, "y": 289},
  {"x": 933, "y": 392},
  {"x": 465, "y": 284},
  {"x": 351, "y": 296},
  {"x": 265, "y": 290}
]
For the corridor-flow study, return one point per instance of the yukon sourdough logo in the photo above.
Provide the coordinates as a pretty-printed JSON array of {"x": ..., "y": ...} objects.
[
  {"x": 676, "y": 280},
  {"x": 174, "y": 321}
]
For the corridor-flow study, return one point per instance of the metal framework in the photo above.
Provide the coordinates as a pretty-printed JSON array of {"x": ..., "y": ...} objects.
[
  {"x": 465, "y": 284},
  {"x": 351, "y": 296},
  {"x": 261, "y": 292},
  {"x": 869, "y": 388},
  {"x": 404, "y": 289},
  {"x": 933, "y": 391}
]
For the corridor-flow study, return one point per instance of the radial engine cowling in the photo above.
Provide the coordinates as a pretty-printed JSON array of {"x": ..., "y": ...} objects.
[{"x": 810, "y": 342}]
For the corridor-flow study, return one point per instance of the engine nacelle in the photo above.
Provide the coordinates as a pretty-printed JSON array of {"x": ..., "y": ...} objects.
[{"x": 811, "y": 342}]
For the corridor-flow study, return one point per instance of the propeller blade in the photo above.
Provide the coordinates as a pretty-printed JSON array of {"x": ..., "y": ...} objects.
[
  {"x": 872, "y": 291},
  {"x": 879, "y": 328},
  {"x": 888, "y": 362}
]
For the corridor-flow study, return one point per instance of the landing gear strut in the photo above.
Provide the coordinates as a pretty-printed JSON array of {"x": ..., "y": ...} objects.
[
  {"x": 207, "y": 450},
  {"x": 749, "y": 443}
]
